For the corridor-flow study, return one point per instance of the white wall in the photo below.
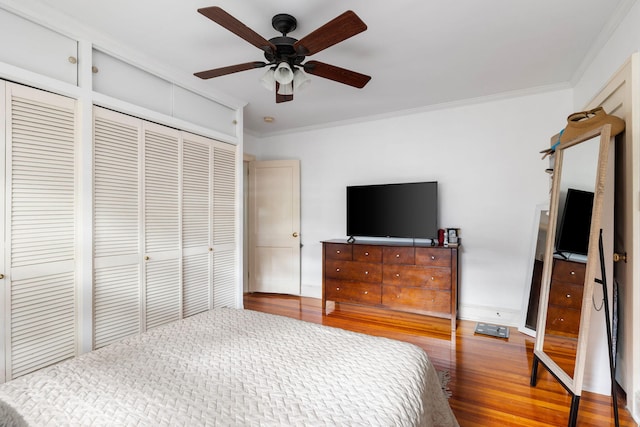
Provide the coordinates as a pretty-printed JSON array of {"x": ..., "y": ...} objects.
[
  {"x": 485, "y": 157},
  {"x": 620, "y": 46}
]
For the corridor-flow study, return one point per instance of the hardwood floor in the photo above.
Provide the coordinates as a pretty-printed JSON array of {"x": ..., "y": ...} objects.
[{"x": 489, "y": 376}]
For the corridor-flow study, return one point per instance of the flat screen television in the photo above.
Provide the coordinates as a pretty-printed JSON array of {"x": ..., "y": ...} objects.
[
  {"x": 575, "y": 223},
  {"x": 408, "y": 210}
]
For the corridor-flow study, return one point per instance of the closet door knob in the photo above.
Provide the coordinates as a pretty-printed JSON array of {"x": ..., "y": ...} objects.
[
  {"x": 1, "y": 276},
  {"x": 295, "y": 234}
]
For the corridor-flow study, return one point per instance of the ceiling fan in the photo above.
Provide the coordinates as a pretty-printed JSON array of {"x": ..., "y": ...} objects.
[{"x": 285, "y": 55}]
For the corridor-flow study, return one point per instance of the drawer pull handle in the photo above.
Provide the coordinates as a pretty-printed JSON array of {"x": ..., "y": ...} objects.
[
  {"x": 568, "y": 295},
  {"x": 397, "y": 274},
  {"x": 433, "y": 278},
  {"x": 561, "y": 319},
  {"x": 433, "y": 257},
  {"x": 366, "y": 254},
  {"x": 366, "y": 272},
  {"x": 337, "y": 269},
  {"x": 573, "y": 273},
  {"x": 337, "y": 252},
  {"x": 366, "y": 292},
  {"x": 397, "y": 255},
  {"x": 337, "y": 289}
]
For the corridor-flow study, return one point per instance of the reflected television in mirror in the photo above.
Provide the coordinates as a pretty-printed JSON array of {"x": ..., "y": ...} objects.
[{"x": 575, "y": 223}]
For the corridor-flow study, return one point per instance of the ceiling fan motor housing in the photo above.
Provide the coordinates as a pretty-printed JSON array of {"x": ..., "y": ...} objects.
[
  {"x": 284, "y": 51},
  {"x": 284, "y": 24}
]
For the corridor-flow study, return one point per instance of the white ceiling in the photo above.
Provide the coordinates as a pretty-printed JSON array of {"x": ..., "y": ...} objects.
[{"x": 420, "y": 53}]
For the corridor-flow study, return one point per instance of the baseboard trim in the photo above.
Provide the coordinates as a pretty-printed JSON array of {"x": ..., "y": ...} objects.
[{"x": 478, "y": 313}]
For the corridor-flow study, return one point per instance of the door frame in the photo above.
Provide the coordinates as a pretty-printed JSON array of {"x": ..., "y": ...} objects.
[{"x": 246, "y": 159}]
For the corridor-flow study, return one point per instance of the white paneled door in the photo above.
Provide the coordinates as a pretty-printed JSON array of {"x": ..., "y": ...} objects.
[
  {"x": 274, "y": 226},
  {"x": 38, "y": 321}
]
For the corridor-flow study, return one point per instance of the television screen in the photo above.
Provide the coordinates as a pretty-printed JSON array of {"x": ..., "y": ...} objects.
[
  {"x": 393, "y": 210},
  {"x": 575, "y": 223}
]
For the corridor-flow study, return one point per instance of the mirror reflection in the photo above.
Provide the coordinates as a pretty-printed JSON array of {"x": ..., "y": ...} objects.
[{"x": 577, "y": 182}]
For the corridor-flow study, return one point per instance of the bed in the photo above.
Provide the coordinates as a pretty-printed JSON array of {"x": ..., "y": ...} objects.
[{"x": 232, "y": 367}]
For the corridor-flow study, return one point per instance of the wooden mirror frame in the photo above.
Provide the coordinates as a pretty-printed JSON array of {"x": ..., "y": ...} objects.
[
  {"x": 531, "y": 295},
  {"x": 572, "y": 383}
]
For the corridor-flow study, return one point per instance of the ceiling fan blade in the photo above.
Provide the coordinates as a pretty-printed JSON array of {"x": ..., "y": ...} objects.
[
  {"x": 282, "y": 98},
  {"x": 338, "y": 29},
  {"x": 219, "y": 16},
  {"x": 337, "y": 74},
  {"x": 223, "y": 71}
]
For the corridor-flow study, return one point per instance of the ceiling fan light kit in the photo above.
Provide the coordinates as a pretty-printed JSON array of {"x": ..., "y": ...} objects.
[
  {"x": 268, "y": 79},
  {"x": 283, "y": 73},
  {"x": 285, "y": 55},
  {"x": 300, "y": 79}
]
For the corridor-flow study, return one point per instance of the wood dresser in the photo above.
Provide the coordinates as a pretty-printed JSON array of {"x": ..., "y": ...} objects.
[
  {"x": 410, "y": 278},
  {"x": 565, "y": 298}
]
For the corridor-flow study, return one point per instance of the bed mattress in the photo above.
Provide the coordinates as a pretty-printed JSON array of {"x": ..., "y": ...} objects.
[{"x": 232, "y": 367}]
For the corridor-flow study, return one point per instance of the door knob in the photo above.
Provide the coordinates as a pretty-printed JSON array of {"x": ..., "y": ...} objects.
[
  {"x": 619, "y": 257},
  {"x": 295, "y": 234},
  {"x": 1, "y": 276}
]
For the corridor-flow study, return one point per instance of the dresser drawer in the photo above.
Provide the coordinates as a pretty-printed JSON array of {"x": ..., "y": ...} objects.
[
  {"x": 355, "y": 292},
  {"x": 416, "y": 299},
  {"x": 562, "y": 321},
  {"x": 367, "y": 253},
  {"x": 354, "y": 271},
  {"x": 399, "y": 255},
  {"x": 411, "y": 275},
  {"x": 568, "y": 271},
  {"x": 338, "y": 251},
  {"x": 566, "y": 295},
  {"x": 433, "y": 257}
]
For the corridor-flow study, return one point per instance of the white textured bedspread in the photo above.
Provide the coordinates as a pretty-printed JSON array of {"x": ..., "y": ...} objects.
[{"x": 232, "y": 367}]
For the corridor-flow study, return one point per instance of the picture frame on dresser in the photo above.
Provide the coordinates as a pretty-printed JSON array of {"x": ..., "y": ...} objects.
[{"x": 414, "y": 278}]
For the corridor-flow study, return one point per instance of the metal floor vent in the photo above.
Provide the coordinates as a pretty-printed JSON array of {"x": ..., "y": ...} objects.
[{"x": 492, "y": 330}]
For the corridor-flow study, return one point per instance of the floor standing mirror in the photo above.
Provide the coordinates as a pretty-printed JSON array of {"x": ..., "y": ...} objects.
[{"x": 572, "y": 262}]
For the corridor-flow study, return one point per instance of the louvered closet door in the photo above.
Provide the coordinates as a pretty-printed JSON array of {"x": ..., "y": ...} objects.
[
  {"x": 117, "y": 219},
  {"x": 40, "y": 320},
  {"x": 197, "y": 174},
  {"x": 162, "y": 288},
  {"x": 225, "y": 220}
]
